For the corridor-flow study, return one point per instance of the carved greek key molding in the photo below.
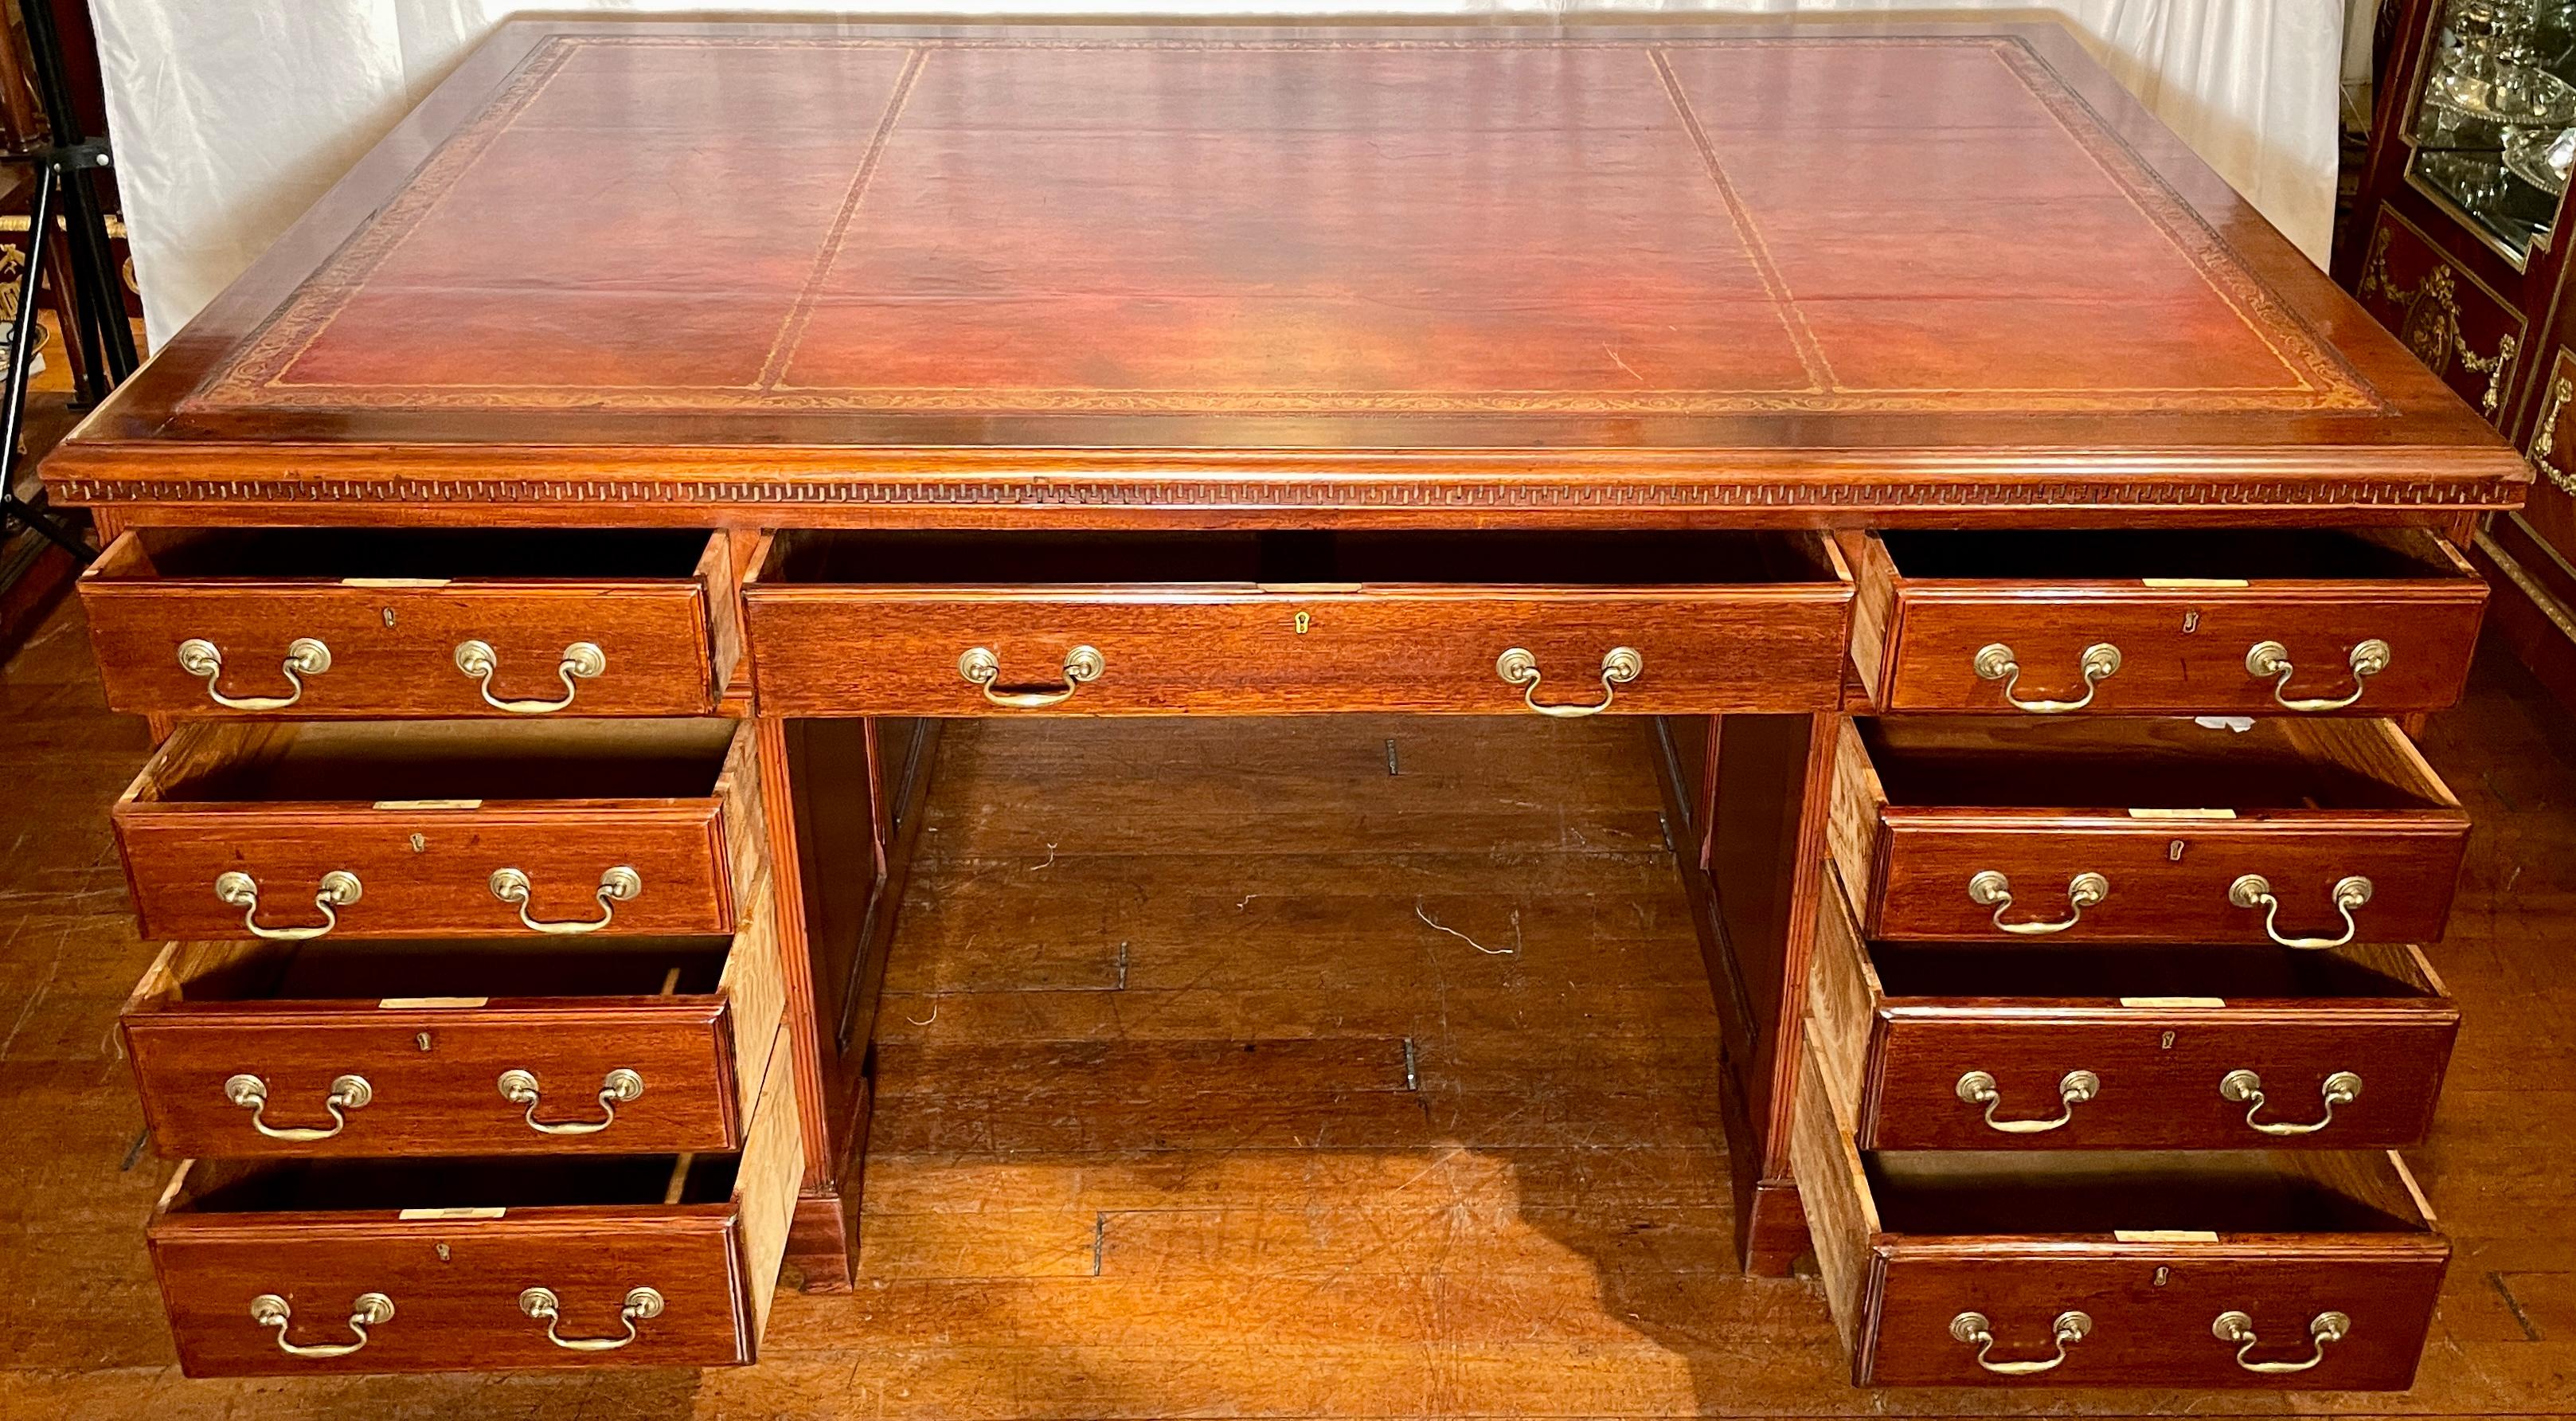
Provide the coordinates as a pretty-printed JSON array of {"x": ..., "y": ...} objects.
[{"x": 1299, "y": 494}]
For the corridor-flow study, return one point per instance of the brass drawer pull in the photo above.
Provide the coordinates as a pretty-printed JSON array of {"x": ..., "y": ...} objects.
[
  {"x": 305, "y": 656},
  {"x": 2246, "y": 1088},
  {"x": 1972, "y": 1328},
  {"x": 616, "y": 1089},
  {"x": 1994, "y": 662},
  {"x": 1990, "y": 889},
  {"x": 982, "y": 668},
  {"x": 370, "y": 1310},
  {"x": 1619, "y": 666},
  {"x": 542, "y": 1304},
  {"x": 347, "y": 1093},
  {"x": 339, "y": 889},
  {"x": 2271, "y": 660},
  {"x": 2325, "y": 1327},
  {"x": 2255, "y": 891},
  {"x": 581, "y": 661},
  {"x": 2073, "y": 1089},
  {"x": 617, "y": 885}
]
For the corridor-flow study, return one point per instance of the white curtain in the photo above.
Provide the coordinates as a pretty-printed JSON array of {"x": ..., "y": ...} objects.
[{"x": 231, "y": 117}]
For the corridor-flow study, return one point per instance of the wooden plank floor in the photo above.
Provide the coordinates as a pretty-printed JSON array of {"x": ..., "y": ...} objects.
[{"x": 1241, "y": 1070}]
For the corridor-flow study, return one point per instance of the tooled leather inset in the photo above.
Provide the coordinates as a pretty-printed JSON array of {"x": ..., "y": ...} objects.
[{"x": 2313, "y": 376}]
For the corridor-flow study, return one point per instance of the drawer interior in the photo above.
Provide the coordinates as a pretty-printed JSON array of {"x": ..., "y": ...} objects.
[
  {"x": 2149, "y": 764},
  {"x": 2130, "y": 555},
  {"x": 2008, "y": 970},
  {"x": 1297, "y": 558},
  {"x": 376, "y": 761},
  {"x": 449, "y": 554},
  {"x": 322, "y": 970},
  {"x": 330, "y": 1185},
  {"x": 1945, "y": 1192}
]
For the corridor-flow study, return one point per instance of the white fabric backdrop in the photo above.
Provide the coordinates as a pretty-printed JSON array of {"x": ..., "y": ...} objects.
[{"x": 231, "y": 117}]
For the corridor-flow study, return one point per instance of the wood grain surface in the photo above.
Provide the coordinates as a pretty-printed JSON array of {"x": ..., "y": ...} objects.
[
  {"x": 1925, "y": 1236},
  {"x": 2158, "y": 1028},
  {"x": 699, "y": 1043},
  {"x": 1600, "y": 273},
  {"x": 1726, "y": 622},
  {"x": 1561, "y": 1243},
  {"x": 2164, "y": 601},
  {"x": 682, "y": 812},
  {"x": 453, "y": 1240},
  {"x": 2175, "y": 814},
  {"x": 393, "y": 647}
]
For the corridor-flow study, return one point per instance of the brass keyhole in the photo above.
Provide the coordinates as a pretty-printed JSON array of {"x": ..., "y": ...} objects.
[
  {"x": 443, "y": 1255},
  {"x": 420, "y": 843},
  {"x": 2167, "y": 1043},
  {"x": 2173, "y": 852},
  {"x": 2163, "y": 1275},
  {"x": 1303, "y": 621},
  {"x": 422, "y": 1041},
  {"x": 389, "y": 616},
  {"x": 2191, "y": 620}
]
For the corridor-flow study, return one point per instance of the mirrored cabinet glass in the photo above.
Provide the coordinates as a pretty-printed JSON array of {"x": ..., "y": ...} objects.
[
  {"x": 2453, "y": 244},
  {"x": 2495, "y": 129}
]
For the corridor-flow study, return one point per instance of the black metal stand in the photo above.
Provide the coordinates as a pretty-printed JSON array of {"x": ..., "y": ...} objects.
[{"x": 96, "y": 303}]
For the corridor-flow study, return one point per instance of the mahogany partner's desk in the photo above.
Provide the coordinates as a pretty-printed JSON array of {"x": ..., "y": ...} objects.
[{"x": 1902, "y": 412}]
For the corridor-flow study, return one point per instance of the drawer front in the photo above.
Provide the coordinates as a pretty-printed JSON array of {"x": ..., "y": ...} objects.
[
  {"x": 2185, "y": 652},
  {"x": 2162, "y": 1076},
  {"x": 827, "y": 651},
  {"x": 457, "y": 1280},
  {"x": 455, "y": 1286},
  {"x": 2168, "y": 881},
  {"x": 606, "y": 1075},
  {"x": 429, "y": 871},
  {"x": 2153, "y": 1309},
  {"x": 2467, "y": 333},
  {"x": 1909, "y": 1306},
  {"x": 394, "y": 651},
  {"x": 442, "y": 1099}
]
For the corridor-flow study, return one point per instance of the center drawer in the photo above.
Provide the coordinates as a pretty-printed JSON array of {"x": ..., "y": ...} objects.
[
  {"x": 413, "y": 621},
  {"x": 2167, "y": 621},
  {"x": 943, "y": 624},
  {"x": 2015, "y": 1045},
  {"x": 456, "y": 1047},
  {"x": 297, "y": 829},
  {"x": 287, "y": 1267},
  {"x": 2299, "y": 1269},
  {"x": 2307, "y": 833}
]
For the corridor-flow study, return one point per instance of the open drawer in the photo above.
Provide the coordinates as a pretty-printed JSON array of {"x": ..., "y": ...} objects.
[
  {"x": 295, "y": 1266},
  {"x": 2298, "y": 1269},
  {"x": 934, "y": 623},
  {"x": 413, "y": 621},
  {"x": 456, "y": 1047},
  {"x": 556, "y": 828},
  {"x": 2308, "y": 833},
  {"x": 2016, "y": 1045},
  {"x": 2188, "y": 621}
]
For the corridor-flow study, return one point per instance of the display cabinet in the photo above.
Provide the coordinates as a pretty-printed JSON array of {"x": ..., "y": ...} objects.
[{"x": 2454, "y": 244}]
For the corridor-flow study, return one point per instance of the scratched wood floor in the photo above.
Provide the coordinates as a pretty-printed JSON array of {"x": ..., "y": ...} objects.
[{"x": 1227, "y": 1073}]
